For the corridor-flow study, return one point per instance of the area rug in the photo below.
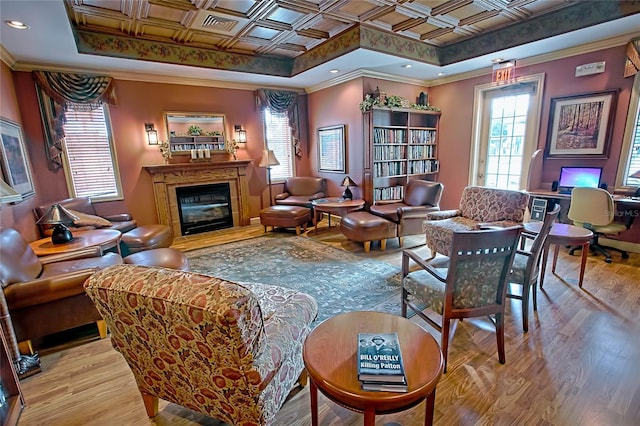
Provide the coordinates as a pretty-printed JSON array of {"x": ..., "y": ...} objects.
[{"x": 339, "y": 281}]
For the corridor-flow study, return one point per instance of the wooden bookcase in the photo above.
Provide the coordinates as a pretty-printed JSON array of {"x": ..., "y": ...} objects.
[{"x": 399, "y": 145}]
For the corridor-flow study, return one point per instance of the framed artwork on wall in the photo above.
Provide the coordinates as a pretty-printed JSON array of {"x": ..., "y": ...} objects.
[
  {"x": 580, "y": 125},
  {"x": 331, "y": 149},
  {"x": 16, "y": 167}
]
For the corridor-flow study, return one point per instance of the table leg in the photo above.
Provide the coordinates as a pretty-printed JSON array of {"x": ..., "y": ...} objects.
[
  {"x": 313, "y": 394},
  {"x": 429, "y": 407},
  {"x": 543, "y": 266},
  {"x": 555, "y": 257},
  {"x": 329, "y": 219},
  {"x": 369, "y": 417},
  {"x": 583, "y": 262}
]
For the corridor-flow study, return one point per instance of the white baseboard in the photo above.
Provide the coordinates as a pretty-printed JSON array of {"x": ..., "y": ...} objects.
[{"x": 623, "y": 245}]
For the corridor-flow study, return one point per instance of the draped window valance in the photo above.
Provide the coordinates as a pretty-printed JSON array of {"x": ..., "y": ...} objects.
[
  {"x": 59, "y": 91},
  {"x": 283, "y": 101},
  {"x": 632, "y": 63}
]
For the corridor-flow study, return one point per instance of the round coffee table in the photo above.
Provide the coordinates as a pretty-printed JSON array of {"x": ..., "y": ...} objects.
[
  {"x": 103, "y": 238},
  {"x": 330, "y": 357},
  {"x": 338, "y": 206},
  {"x": 561, "y": 234}
]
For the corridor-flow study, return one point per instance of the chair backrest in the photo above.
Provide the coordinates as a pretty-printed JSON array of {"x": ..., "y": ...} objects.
[
  {"x": 594, "y": 206},
  {"x": 484, "y": 204},
  {"x": 304, "y": 185},
  {"x": 186, "y": 336},
  {"x": 479, "y": 267},
  {"x": 533, "y": 261},
  {"x": 18, "y": 262},
  {"x": 423, "y": 193}
]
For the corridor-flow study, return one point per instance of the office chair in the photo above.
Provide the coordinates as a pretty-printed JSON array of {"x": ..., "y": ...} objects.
[{"x": 594, "y": 209}]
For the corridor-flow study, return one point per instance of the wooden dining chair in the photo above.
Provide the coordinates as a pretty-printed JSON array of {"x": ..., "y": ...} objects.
[{"x": 475, "y": 283}]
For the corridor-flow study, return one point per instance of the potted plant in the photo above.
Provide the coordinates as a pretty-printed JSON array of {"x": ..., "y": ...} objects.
[{"x": 194, "y": 130}]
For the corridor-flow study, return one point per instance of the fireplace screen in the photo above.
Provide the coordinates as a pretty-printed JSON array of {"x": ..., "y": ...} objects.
[{"x": 204, "y": 208}]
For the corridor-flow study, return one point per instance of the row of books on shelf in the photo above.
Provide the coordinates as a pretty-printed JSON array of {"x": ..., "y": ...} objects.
[
  {"x": 393, "y": 168},
  {"x": 388, "y": 152},
  {"x": 422, "y": 151},
  {"x": 423, "y": 166},
  {"x": 389, "y": 135},
  {"x": 422, "y": 136},
  {"x": 388, "y": 193},
  {"x": 380, "y": 366}
]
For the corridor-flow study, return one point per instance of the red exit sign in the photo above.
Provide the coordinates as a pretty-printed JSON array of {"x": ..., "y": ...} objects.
[{"x": 504, "y": 71}]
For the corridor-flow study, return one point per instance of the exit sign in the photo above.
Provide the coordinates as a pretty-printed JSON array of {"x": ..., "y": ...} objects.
[{"x": 504, "y": 71}]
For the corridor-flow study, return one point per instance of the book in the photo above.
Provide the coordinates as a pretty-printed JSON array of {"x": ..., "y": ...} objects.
[
  {"x": 380, "y": 359},
  {"x": 383, "y": 387}
]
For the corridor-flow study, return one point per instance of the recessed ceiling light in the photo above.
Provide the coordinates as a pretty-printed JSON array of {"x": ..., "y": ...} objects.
[
  {"x": 334, "y": 71},
  {"x": 17, "y": 25},
  {"x": 440, "y": 74},
  {"x": 407, "y": 66}
]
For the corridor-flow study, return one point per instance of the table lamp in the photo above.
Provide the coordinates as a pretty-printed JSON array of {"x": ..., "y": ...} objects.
[
  {"x": 347, "y": 195},
  {"x": 59, "y": 216},
  {"x": 268, "y": 160}
]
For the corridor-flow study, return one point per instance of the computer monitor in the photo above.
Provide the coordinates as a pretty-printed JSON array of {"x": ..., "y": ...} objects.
[{"x": 571, "y": 177}]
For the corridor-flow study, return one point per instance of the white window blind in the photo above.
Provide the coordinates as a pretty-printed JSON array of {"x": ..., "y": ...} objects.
[
  {"x": 634, "y": 154},
  {"x": 278, "y": 135},
  {"x": 91, "y": 168}
]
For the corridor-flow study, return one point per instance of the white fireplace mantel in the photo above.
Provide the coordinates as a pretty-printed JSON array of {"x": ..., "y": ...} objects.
[{"x": 167, "y": 177}]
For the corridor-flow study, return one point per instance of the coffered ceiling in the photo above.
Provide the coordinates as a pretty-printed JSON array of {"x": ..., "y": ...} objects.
[{"x": 289, "y": 40}]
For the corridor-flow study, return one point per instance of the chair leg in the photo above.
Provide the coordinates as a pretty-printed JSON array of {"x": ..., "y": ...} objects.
[
  {"x": 525, "y": 306},
  {"x": 444, "y": 341},
  {"x": 367, "y": 246},
  {"x": 102, "y": 328},
  {"x": 500, "y": 336},
  {"x": 383, "y": 244},
  {"x": 405, "y": 294},
  {"x": 304, "y": 376},
  {"x": 150, "y": 404},
  {"x": 400, "y": 241}
]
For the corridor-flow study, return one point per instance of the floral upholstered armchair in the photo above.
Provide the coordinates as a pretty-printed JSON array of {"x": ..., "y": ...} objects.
[
  {"x": 479, "y": 207},
  {"x": 228, "y": 350}
]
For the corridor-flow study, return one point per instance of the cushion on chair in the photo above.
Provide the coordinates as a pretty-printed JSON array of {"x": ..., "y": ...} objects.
[
  {"x": 165, "y": 257},
  {"x": 147, "y": 237},
  {"x": 362, "y": 226},
  {"x": 90, "y": 220}
]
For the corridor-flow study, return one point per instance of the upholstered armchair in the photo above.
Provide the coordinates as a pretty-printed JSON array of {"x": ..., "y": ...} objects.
[
  {"x": 232, "y": 351},
  {"x": 88, "y": 217},
  {"x": 301, "y": 190},
  {"x": 479, "y": 207},
  {"x": 420, "y": 197},
  {"x": 45, "y": 295}
]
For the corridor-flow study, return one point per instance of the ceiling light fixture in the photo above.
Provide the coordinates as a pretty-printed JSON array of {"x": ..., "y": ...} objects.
[
  {"x": 440, "y": 74},
  {"x": 407, "y": 66},
  {"x": 334, "y": 71},
  {"x": 16, "y": 24}
]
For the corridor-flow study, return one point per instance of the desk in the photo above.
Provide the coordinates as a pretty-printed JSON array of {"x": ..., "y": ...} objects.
[
  {"x": 337, "y": 206},
  {"x": 330, "y": 353},
  {"x": 561, "y": 234},
  {"x": 103, "y": 238}
]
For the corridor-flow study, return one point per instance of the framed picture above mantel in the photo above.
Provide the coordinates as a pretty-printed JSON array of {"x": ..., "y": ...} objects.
[{"x": 580, "y": 125}]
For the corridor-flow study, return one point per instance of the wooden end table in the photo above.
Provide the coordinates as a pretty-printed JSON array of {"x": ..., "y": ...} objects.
[
  {"x": 338, "y": 206},
  {"x": 330, "y": 357},
  {"x": 103, "y": 238},
  {"x": 561, "y": 234}
]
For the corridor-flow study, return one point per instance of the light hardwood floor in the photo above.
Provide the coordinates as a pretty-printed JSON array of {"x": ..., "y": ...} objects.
[{"x": 579, "y": 364}]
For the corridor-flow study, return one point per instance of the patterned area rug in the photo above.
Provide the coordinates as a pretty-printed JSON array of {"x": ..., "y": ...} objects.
[{"x": 338, "y": 280}]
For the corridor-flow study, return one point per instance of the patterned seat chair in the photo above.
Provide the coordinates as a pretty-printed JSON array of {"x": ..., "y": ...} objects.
[
  {"x": 228, "y": 350},
  {"x": 479, "y": 207}
]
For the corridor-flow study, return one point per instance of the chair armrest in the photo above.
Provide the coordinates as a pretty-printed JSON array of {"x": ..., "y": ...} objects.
[
  {"x": 120, "y": 217},
  {"x": 316, "y": 196},
  {"x": 72, "y": 255},
  {"x": 45, "y": 290},
  {"x": 443, "y": 214},
  {"x": 408, "y": 212},
  {"x": 282, "y": 196},
  {"x": 411, "y": 255}
]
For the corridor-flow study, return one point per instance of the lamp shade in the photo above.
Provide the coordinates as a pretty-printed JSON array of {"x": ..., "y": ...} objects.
[
  {"x": 58, "y": 216},
  {"x": 268, "y": 159},
  {"x": 348, "y": 182},
  {"x": 8, "y": 194}
]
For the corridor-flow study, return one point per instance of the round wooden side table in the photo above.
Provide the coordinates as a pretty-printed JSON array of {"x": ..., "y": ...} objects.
[
  {"x": 103, "y": 238},
  {"x": 330, "y": 357},
  {"x": 338, "y": 206}
]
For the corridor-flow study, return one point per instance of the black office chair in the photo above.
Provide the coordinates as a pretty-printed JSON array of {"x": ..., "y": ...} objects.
[{"x": 594, "y": 209}]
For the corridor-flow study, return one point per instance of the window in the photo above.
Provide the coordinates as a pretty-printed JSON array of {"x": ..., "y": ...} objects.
[
  {"x": 90, "y": 157},
  {"x": 278, "y": 139},
  {"x": 630, "y": 154}
]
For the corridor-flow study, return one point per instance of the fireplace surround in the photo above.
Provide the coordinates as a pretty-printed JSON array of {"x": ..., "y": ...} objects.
[{"x": 168, "y": 177}]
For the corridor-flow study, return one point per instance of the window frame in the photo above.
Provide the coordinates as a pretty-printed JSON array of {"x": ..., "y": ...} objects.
[
  {"x": 633, "y": 118},
  {"x": 114, "y": 163},
  {"x": 275, "y": 177}
]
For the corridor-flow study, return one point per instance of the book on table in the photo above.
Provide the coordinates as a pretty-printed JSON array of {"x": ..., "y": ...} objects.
[{"x": 380, "y": 365}]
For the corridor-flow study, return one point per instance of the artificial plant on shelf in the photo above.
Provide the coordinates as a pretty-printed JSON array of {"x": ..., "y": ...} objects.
[
  {"x": 391, "y": 101},
  {"x": 232, "y": 147},
  {"x": 165, "y": 150}
]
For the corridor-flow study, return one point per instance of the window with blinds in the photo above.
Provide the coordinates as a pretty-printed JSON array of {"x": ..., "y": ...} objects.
[
  {"x": 634, "y": 154},
  {"x": 90, "y": 156},
  {"x": 278, "y": 139}
]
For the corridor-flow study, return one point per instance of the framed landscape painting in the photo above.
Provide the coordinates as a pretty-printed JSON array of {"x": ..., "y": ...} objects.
[
  {"x": 15, "y": 161},
  {"x": 580, "y": 125},
  {"x": 331, "y": 149}
]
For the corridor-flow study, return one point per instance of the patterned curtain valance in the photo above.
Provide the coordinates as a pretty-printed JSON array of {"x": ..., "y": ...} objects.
[
  {"x": 277, "y": 100},
  {"x": 83, "y": 92},
  {"x": 632, "y": 63}
]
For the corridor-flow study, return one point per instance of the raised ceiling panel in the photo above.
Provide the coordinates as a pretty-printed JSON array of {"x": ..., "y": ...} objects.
[{"x": 263, "y": 33}]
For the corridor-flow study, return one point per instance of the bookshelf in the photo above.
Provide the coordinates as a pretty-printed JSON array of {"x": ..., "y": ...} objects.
[
  {"x": 400, "y": 145},
  {"x": 187, "y": 143}
]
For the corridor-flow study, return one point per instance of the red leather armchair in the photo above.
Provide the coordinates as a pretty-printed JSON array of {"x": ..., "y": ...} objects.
[
  {"x": 301, "y": 190},
  {"x": 46, "y": 295},
  {"x": 420, "y": 198}
]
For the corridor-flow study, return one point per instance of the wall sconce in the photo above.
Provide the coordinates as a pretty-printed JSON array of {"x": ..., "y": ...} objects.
[
  {"x": 241, "y": 135},
  {"x": 152, "y": 134}
]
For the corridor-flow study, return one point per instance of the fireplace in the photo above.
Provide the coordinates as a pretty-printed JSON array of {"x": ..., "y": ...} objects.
[{"x": 204, "y": 208}]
